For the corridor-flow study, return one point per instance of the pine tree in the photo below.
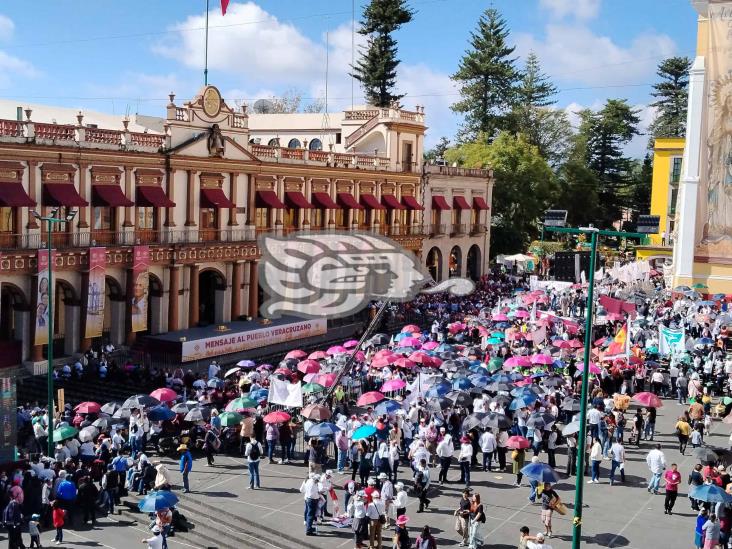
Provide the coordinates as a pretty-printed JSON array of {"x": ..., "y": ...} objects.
[
  {"x": 535, "y": 91},
  {"x": 672, "y": 97},
  {"x": 376, "y": 68},
  {"x": 487, "y": 77}
]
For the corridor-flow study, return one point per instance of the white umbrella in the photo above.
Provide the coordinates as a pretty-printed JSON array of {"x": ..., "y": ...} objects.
[
  {"x": 88, "y": 433},
  {"x": 199, "y": 383}
]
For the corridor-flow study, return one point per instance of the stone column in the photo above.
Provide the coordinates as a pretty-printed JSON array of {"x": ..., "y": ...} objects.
[
  {"x": 280, "y": 190},
  {"x": 193, "y": 305},
  {"x": 309, "y": 196},
  {"x": 251, "y": 199},
  {"x": 118, "y": 321},
  {"x": 190, "y": 188},
  {"x": 173, "y": 295},
  {"x": 32, "y": 193},
  {"x": 85, "y": 343},
  {"x": 131, "y": 336},
  {"x": 234, "y": 197},
  {"x": 329, "y": 216},
  {"x": 170, "y": 212},
  {"x": 83, "y": 211},
  {"x": 72, "y": 325},
  {"x": 236, "y": 290},
  {"x": 253, "y": 289},
  {"x": 22, "y": 316},
  {"x": 128, "y": 194}
]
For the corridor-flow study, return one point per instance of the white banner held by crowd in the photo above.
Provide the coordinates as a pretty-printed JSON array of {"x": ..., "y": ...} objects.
[
  {"x": 287, "y": 394},
  {"x": 670, "y": 342}
]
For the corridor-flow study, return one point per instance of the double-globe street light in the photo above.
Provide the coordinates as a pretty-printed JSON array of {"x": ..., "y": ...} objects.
[{"x": 51, "y": 221}]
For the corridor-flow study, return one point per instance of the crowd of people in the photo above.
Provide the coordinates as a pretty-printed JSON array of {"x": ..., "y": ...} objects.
[{"x": 490, "y": 382}]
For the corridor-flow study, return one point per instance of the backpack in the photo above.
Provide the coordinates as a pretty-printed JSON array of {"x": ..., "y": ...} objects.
[{"x": 255, "y": 452}]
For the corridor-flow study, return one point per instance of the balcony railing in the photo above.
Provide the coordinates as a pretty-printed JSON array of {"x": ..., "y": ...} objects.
[
  {"x": 57, "y": 132},
  {"x": 438, "y": 229},
  {"x": 478, "y": 228},
  {"x": 347, "y": 160},
  {"x": 458, "y": 171},
  {"x": 458, "y": 229}
]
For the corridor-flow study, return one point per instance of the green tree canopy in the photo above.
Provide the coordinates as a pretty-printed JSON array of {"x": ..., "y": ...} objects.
[{"x": 671, "y": 95}]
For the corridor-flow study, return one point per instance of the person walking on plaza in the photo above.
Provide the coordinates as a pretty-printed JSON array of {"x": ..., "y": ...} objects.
[
  {"x": 401, "y": 534},
  {"x": 711, "y": 531},
  {"x": 360, "y": 522},
  {"x": 444, "y": 454},
  {"x": 253, "y": 452},
  {"x": 672, "y": 478},
  {"x": 186, "y": 464},
  {"x": 211, "y": 442},
  {"x": 425, "y": 540},
  {"x": 422, "y": 484},
  {"x": 466, "y": 454},
  {"x": 59, "y": 519},
  {"x": 13, "y": 521},
  {"x": 462, "y": 518},
  {"x": 309, "y": 490},
  {"x": 488, "y": 445},
  {"x": 617, "y": 455},
  {"x": 595, "y": 461},
  {"x": 477, "y": 523},
  {"x": 549, "y": 501},
  {"x": 656, "y": 462},
  {"x": 401, "y": 500},
  {"x": 683, "y": 431},
  {"x": 376, "y": 513}
]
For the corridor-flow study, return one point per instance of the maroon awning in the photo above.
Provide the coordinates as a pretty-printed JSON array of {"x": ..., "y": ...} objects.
[
  {"x": 370, "y": 203},
  {"x": 269, "y": 199},
  {"x": 347, "y": 200},
  {"x": 323, "y": 200},
  {"x": 152, "y": 196},
  {"x": 460, "y": 203},
  {"x": 110, "y": 195},
  {"x": 295, "y": 199},
  {"x": 62, "y": 194},
  {"x": 215, "y": 198},
  {"x": 439, "y": 203},
  {"x": 411, "y": 203},
  {"x": 13, "y": 195},
  {"x": 479, "y": 203},
  {"x": 391, "y": 202}
]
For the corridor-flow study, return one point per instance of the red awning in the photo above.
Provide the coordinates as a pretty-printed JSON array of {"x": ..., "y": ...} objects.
[
  {"x": 391, "y": 202},
  {"x": 269, "y": 199},
  {"x": 295, "y": 199},
  {"x": 479, "y": 203},
  {"x": 347, "y": 200},
  {"x": 152, "y": 196},
  {"x": 13, "y": 195},
  {"x": 215, "y": 198},
  {"x": 370, "y": 203},
  {"x": 323, "y": 200},
  {"x": 460, "y": 203},
  {"x": 411, "y": 203},
  {"x": 62, "y": 194},
  {"x": 110, "y": 195},
  {"x": 439, "y": 203}
]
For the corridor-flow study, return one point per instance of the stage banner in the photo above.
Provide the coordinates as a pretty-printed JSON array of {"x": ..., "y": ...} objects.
[
  {"x": 96, "y": 292},
  {"x": 284, "y": 393},
  {"x": 8, "y": 415},
  {"x": 42, "y": 301},
  {"x": 225, "y": 344},
  {"x": 141, "y": 284},
  {"x": 670, "y": 342}
]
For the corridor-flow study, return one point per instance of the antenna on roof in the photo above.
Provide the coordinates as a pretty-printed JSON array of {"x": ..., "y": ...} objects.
[
  {"x": 353, "y": 43},
  {"x": 325, "y": 127}
]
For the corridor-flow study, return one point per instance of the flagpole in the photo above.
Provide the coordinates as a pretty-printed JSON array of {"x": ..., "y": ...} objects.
[{"x": 205, "y": 51}]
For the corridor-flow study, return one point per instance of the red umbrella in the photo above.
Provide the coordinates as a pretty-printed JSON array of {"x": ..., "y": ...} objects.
[
  {"x": 277, "y": 417},
  {"x": 318, "y": 412},
  {"x": 308, "y": 366},
  {"x": 517, "y": 443},
  {"x": 410, "y": 328},
  {"x": 421, "y": 358},
  {"x": 648, "y": 399},
  {"x": 404, "y": 363},
  {"x": 318, "y": 355},
  {"x": 326, "y": 380},
  {"x": 371, "y": 397},
  {"x": 88, "y": 408},
  {"x": 164, "y": 394},
  {"x": 545, "y": 360},
  {"x": 562, "y": 344},
  {"x": 382, "y": 362},
  {"x": 297, "y": 354}
]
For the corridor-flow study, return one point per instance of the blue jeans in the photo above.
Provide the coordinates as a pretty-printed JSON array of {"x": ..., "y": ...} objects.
[
  {"x": 342, "y": 455},
  {"x": 649, "y": 430},
  {"x": 185, "y": 481},
  {"x": 271, "y": 448},
  {"x": 654, "y": 482},
  {"x": 614, "y": 466},
  {"x": 534, "y": 484},
  {"x": 311, "y": 509},
  {"x": 487, "y": 459},
  {"x": 595, "y": 470},
  {"x": 253, "y": 467},
  {"x": 465, "y": 471}
]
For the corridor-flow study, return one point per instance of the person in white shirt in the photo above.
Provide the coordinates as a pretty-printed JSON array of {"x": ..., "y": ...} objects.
[
  {"x": 401, "y": 500},
  {"x": 464, "y": 458},
  {"x": 594, "y": 417},
  {"x": 360, "y": 526},
  {"x": 488, "y": 445},
  {"x": 656, "y": 462},
  {"x": 156, "y": 541},
  {"x": 387, "y": 496},
  {"x": 479, "y": 405},
  {"x": 213, "y": 370},
  {"x": 538, "y": 543},
  {"x": 617, "y": 450},
  {"x": 444, "y": 453},
  {"x": 253, "y": 452},
  {"x": 374, "y": 510},
  {"x": 309, "y": 490}
]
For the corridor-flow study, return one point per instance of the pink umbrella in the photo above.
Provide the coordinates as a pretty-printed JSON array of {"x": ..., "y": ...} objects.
[
  {"x": 517, "y": 362},
  {"x": 522, "y": 314},
  {"x": 297, "y": 354},
  {"x": 434, "y": 362},
  {"x": 393, "y": 385},
  {"x": 500, "y": 317},
  {"x": 164, "y": 394},
  {"x": 420, "y": 357},
  {"x": 455, "y": 327},
  {"x": 562, "y": 344},
  {"x": 360, "y": 356},
  {"x": 309, "y": 377},
  {"x": 410, "y": 342},
  {"x": 594, "y": 368},
  {"x": 371, "y": 397},
  {"x": 94, "y": 408},
  {"x": 404, "y": 363},
  {"x": 576, "y": 343},
  {"x": 545, "y": 360},
  {"x": 410, "y": 328},
  {"x": 648, "y": 399},
  {"x": 383, "y": 352},
  {"x": 516, "y": 443},
  {"x": 337, "y": 350},
  {"x": 382, "y": 362},
  {"x": 544, "y": 322},
  {"x": 350, "y": 344},
  {"x": 318, "y": 355},
  {"x": 430, "y": 345},
  {"x": 326, "y": 380},
  {"x": 309, "y": 366}
]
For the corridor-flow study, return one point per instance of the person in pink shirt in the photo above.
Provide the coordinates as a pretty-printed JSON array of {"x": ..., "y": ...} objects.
[{"x": 672, "y": 478}]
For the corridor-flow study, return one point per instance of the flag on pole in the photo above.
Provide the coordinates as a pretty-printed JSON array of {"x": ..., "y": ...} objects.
[
  {"x": 622, "y": 335},
  {"x": 627, "y": 340},
  {"x": 224, "y": 6}
]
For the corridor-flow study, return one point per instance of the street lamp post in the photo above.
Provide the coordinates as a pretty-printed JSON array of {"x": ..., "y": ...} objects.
[
  {"x": 594, "y": 233},
  {"x": 51, "y": 220}
]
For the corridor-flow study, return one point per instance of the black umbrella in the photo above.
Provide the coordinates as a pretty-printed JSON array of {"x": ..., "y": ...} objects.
[
  {"x": 495, "y": 387},
  {"x": 460, "y": 398},
  {"x": 181, "y": 408},
  {"x": 449, "y": 355},
  {"x": 437, "y": 404},
  {"x": 503, "y": 400},
  {"x": 379, "y": 339},
  {"x": 552, "y": 382},
  {"x": 111, "y": 407},
  {"x": 197, "y": 414},
  {"x": 496, "y": 421},
  {"x": 705, "y": 455},
  {"x": 140, "y": 401},
  {"x": 122, "y": 413},
  {"x": 473, "y": 421}
]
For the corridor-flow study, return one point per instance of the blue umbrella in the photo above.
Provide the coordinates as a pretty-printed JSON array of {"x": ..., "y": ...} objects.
[
  {"x": 523, "y": 391},
  {"x": 387, "y": 407},
  {"x": 707, "y": 303},
  {"x": 558, "y": 364},
  {"x": 160, "y": 413},
  {"x": 437, "y": 391},
  {"x": 445, "y": 347},
  {"x": 480, "y": 380},
  {"x": 365, "y": 431},
  {"x": 320, "y": 430},
  {"x": 154, "y": 501},
  {"x": 461, "y": 383},
  {"x": 401, "y": 336},
  {"x": 521, "y": 402},
  {"x": 259, "y": 394},
  {"x": 513, "y": 376},
  {"x": 537, "y": 376},
  {"x": 500, "y": 378},
  {"x": 246, "y": 363},
  {"x": 540, "y": 472},
  {"x": 215, "y": 383},
  {"x": 704, "y": 341},
  {"x": 710, "y": 493}
]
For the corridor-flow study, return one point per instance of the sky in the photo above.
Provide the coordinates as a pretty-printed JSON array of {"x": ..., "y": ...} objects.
[{"x": 125, "y": 57}]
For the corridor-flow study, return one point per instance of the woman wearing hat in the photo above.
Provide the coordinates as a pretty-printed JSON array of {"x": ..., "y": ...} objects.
[
  {"x": 401, "y": 534},
  {"x": 360, "y": 525},
  {"x": 401, "y": 500}
]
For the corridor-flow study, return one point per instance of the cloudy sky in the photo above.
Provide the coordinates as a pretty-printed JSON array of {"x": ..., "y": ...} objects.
[{"x": 126, "y": 56}]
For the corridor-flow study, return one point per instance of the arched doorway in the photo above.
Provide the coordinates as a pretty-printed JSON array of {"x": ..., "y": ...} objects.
[
  {"x": 434, "y": 264},
  {"x": 455, "y": 263},
  {"x": 66, "y": 318},
  {"x": 473, "y": 262},
  {"x": 14, "y": 317},
  {"x": 211, "y": 291},
  {"x": 115, "y": 307},
  {"x": 154, "y": 300}
]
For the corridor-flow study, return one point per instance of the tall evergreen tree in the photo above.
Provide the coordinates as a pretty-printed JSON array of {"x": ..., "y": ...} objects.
[
  {"x": 487, "y": 77},
  {"x": 376, "y": 68},
  {"x": 671, "y": 95},
  {"x": 533, "y": 92}
]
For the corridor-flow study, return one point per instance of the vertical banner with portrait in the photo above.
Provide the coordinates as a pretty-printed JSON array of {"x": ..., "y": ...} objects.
[
  {"x": 96, "y": 293},
  {"x": 140, "y": 287},
  {"x": 8, "y": 412},
  {"x": 40, "y": 316}
]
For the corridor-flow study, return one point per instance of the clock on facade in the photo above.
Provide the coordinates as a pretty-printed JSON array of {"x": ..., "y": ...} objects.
[{"x": 211, "y": 101}]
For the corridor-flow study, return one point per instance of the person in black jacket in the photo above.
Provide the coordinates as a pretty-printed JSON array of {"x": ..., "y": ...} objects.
[
  {"x": 87, "y": 499},
  {"x": 12, "y": 519}
]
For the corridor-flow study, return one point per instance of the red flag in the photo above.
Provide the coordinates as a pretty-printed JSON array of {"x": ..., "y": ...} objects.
[{"x": 224, "y": 6}]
